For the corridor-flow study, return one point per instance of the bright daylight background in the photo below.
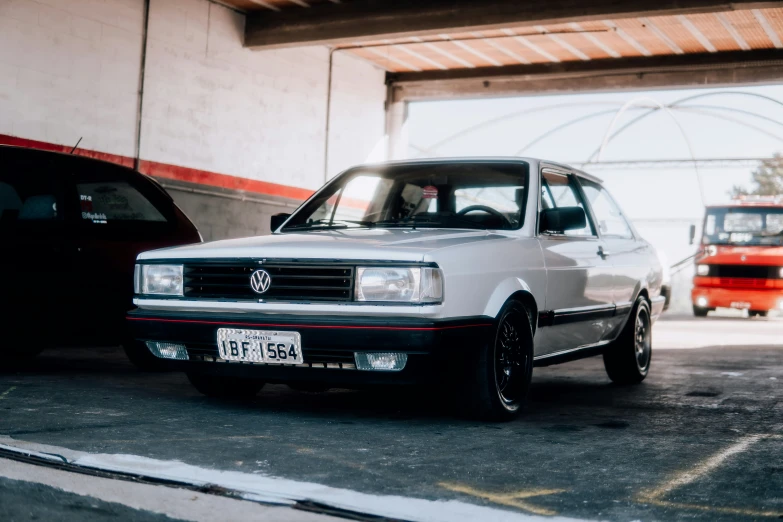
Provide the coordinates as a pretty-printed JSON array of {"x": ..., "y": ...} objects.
[{"x": 662, "y": 202}]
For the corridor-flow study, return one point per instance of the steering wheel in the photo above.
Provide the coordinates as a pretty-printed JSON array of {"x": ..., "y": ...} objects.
[{"x": 484, "y": 208}]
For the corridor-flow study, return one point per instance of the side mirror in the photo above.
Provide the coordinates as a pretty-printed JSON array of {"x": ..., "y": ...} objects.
[
  {"x": 562, "y": 219},
  {"x": 277, "y": 220},
  {"x": 692, "y": 236}
]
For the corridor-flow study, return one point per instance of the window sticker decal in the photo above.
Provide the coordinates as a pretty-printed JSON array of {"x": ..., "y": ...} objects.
[{"x": 429, "y": 192}]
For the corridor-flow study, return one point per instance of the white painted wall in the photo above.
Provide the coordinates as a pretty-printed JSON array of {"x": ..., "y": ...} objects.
[{"x": 70, "y": 68}]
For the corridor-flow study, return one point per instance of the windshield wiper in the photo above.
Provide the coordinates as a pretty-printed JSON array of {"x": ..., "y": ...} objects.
[
  {"x": 330, "y": 223},
  {"x": 412, "y": 221}
]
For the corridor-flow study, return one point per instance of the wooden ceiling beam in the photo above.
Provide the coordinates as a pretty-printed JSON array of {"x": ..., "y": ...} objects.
[
  {"x": 344, "y": 23},
  {"x": 606, "y": 75}
]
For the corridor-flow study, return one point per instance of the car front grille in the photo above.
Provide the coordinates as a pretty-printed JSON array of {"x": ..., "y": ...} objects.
[
  {"x": 745, "y": 271},
  {"x": 288, "y": 281}
]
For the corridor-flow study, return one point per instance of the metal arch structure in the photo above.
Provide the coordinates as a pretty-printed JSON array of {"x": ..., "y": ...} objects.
[
  {"x": 679, "y": 102},
  {"x": 493, "y": 121},
  {"x": 640, "y": 103},
  {"x": 635, "y": 101},
  {"x": 432, "y": 149}
]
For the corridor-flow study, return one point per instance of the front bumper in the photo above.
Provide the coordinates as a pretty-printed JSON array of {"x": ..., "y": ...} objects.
[
  {"x": 752, "y": 299},
  {"x": 433, "y": 347}
]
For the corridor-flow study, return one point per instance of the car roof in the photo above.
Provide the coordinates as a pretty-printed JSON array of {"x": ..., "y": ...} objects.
[
  {"x": 65, "y": 156},
  {"x": 51, "y": 153},
  {"x": 481, "y": 159}
]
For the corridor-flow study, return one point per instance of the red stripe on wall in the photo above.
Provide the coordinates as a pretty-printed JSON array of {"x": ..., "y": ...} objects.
[
  {"x": 204, "y": 177},
  {"x": 42, "y": 145},
  {"x": 175, "y": 172}
]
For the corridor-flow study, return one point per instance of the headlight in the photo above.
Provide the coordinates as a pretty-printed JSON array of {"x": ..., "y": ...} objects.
[
  {"x": 158, "y": 279},
  {"x": 405, "y": 285},
  {"x": 702, "y": 270},
  {"x": 780, "y": 272}
]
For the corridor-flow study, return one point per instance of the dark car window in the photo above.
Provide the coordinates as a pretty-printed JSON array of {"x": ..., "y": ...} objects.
[
  {"x": 29, "y": 196},
  {"x": 111, "y": 201}
]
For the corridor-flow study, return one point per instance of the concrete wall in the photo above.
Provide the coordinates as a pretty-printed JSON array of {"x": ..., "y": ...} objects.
[{"x": 70, "y": 69}]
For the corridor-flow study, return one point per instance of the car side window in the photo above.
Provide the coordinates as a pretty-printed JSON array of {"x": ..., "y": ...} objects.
[
  {"x": 559, "y": 190},
  {"x": 29, "y": 197},
  {"x": 611, "y": 221},
  {"x": 102, "y": 202}
]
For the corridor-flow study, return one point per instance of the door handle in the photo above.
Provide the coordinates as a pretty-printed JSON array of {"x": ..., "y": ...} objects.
[{"x": 603, "y": 253}]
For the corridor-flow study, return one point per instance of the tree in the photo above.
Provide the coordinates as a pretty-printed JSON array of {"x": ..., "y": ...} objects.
[{"x": 767, "y": 179}]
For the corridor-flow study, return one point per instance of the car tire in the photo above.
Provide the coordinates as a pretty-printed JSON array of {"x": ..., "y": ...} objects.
[
  {"x": 140, "y": 356},
  {"x": 222, "y": 387},
  {"x": 698, "y": 311},
  {"x": 627, "y": 359},
  {"x": 757, "y": 313},
  {"x": 499, "y": 374}
]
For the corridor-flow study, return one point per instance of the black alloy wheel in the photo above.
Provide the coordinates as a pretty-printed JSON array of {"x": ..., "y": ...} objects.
[
  {"x": 643, "y": 339},
  {"x": 627, "y": 359},
  {"x": 512, "y": 364},
  {"x": 499, "y": 372}
]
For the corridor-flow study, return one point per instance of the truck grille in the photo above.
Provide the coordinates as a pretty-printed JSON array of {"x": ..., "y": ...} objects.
[
  {"x": 288, "y": 282},
  {"x": 745, "y": 271}
]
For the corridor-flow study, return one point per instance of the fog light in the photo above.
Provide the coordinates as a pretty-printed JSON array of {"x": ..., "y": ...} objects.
[
  {"x": 702, "y": 301},
  {"x": 388, "y": 362},
  {"x": 168, "y": 350}
]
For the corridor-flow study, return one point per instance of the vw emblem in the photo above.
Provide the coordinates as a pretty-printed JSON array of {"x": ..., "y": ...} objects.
[
  {"x": 743, "y": 259},
  {"x": 260, "y": 281}
]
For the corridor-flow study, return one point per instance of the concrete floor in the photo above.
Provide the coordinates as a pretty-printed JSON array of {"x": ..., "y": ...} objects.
[{"x": 699, "y": 439}]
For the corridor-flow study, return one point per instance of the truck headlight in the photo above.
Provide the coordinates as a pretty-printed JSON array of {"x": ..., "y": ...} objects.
[
  {"x": 399, "y": 284},
  {"x": 702, "y": 270},
  {"x": 158, "y": 280}
]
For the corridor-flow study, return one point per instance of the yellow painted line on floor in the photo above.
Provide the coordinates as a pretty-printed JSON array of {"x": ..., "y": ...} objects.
[
  {"x": 745, "y": 512},
  {"x": 701, "y": 469},
  {"x": 514, "y": 499},
  {"x": 9, "y": 390}
]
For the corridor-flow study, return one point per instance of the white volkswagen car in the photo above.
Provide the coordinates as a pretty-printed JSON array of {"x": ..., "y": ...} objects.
[{"x": 465, "y": 272}]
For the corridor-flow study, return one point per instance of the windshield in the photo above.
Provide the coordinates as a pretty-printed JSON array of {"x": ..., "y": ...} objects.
[
  {"x": 744, "y": 226},
  {"x": 456, "y": 195}
]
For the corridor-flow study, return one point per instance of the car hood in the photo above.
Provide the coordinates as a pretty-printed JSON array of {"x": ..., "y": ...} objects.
[{"x": 395, "y": 244}]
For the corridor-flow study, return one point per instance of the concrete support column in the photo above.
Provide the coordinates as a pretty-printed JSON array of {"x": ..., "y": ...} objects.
[{"x": 396, "y": 125}]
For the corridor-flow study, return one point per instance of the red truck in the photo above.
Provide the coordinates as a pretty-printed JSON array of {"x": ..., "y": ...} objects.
[{"x": 740, "y": 259}]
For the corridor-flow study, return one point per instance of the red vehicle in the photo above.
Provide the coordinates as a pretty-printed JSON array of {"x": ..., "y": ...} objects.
[
  {"x": 740, "y": 260},
  {"x": 70, "y": 230}
]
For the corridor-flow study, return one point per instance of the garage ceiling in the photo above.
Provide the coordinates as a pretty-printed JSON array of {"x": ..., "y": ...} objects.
[
  {"x": 446, "y": 41},
  {"x": 593, "y": 40},
  {"x": 676, "y": 34}
]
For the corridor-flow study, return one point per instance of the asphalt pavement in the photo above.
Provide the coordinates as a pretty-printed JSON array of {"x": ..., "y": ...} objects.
[{"x": 700, "y": 439}]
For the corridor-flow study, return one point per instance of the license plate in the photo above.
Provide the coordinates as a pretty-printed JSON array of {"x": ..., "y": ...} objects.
[
  {"x": 740, "y": 305},
  {"x": 260, "y": 346}
]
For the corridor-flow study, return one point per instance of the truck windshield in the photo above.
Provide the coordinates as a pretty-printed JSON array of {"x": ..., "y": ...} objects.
[
  {"x": 478, "y": 195},
  {"x": 744, "y": 226}
]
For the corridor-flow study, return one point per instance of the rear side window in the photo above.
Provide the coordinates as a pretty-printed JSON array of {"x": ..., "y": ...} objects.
[
  {"x": 115, "y": 201},
  {"x": 611, "y": 221},
  {"x": 29, "y": 195}
]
